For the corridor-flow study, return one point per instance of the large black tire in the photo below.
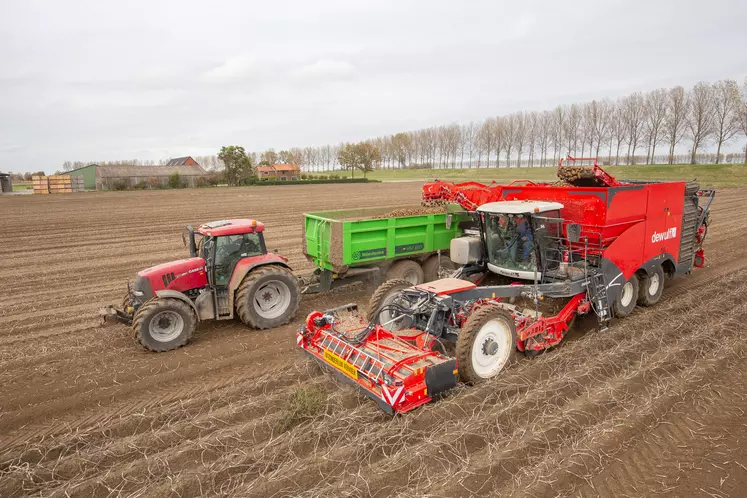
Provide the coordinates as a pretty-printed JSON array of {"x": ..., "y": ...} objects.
[
  {"x": 493, "y": 331},
  {"x": 650, "y": 287},
  {"x": 268, "y": 297},
  {"x": 406, "y": 269},
  {"x": 625, "y": 301},
  {"x": 432, "y": 265},
  {"x": 164, "y": 324},
  {"x": 383, "y": 295}
]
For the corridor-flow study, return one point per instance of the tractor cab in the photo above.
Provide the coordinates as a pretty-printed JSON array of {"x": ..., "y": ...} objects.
[
  {"x": 222, "y": 244},
  {"x": 519, "y": 238}
]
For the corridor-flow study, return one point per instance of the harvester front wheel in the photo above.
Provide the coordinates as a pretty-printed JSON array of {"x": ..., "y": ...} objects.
[
  {"x": 164, "y": 324},
  {"x": 486, "y": 344},
  {"x": 386, "y": 295},
  {"x": 625, "y": 301},
  {"x": 650, "y": 287},
  {"x": 268, "y": 297}
]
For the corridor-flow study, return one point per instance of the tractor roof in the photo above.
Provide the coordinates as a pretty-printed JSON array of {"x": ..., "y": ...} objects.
[
  {"x": 230, "y": 227},
  {"x": 519, "y": 207}
]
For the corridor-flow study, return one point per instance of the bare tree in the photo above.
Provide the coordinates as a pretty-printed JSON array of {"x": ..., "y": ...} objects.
[
  {"x": 597, "y": 122},
  {"x": 617, "y": 131},
  {"x": 700, "y": 118},
  {"x": 743, "y": 115},
  {"x": 655, "y": 114},
  {"x": 572, "y": 124},
  {"x": 633, "y": 118},
  {"x": 726, "y": 106},
  {"x": 558, "y": 124},
  {"x": 520, "y": 135},
  {"x": 675, "y": 124},
  {"x": 469, "y": 133},
  {"x": 533, "y": 125},
  {"x": 544, "y": 133},
  {"x": 486, "y": 139}
]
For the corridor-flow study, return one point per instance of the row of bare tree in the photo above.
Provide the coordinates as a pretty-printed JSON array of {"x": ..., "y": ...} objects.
[{"x": 629, "y": 130}]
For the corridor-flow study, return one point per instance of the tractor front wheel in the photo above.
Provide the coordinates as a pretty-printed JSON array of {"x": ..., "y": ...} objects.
[
  {"x": 268, "y": 297},
  {"x": 486, "y": 344},
  {"x": 164, "y": 324}
]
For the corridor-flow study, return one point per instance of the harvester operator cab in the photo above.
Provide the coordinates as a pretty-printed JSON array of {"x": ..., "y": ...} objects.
[
  {"x": 516, "y": 236},
  {"x": 222, "y": 244}
]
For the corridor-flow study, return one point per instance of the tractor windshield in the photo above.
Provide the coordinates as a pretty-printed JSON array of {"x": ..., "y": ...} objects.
[{"x": 510, "y": 242}]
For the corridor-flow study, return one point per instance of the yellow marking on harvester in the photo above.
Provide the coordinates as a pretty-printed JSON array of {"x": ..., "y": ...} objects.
[
  {"x": 340, "y": 364},
  {"x": 455, "y": 371}
]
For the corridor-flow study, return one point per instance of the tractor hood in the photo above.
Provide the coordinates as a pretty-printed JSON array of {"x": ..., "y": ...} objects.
[{"x": 181, "y": 275}]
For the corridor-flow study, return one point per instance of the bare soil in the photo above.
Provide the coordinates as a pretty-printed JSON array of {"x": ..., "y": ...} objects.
[{"x": 654, "y": 406}]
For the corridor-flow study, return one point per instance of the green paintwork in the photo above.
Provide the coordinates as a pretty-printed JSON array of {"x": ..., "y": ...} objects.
[
  {"x": 88, "y": 173},
  {"x": 335, "y": 240}
]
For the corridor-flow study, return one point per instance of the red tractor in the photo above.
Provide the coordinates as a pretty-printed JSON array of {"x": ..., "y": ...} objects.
[
  {"x": 543, "y": 254},
  {"x": 229, "y": 273}
]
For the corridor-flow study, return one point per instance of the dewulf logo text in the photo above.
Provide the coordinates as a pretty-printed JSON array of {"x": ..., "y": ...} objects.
[{"x": 669, "y": 234}]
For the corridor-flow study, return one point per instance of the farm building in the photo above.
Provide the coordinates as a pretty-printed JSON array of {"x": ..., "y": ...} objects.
[
  {"x": 282, "y": 172},
  {"x": 6, "y": 184},
  {"x": 111, "y": 177},
  {"x": 182, "y": 161}
]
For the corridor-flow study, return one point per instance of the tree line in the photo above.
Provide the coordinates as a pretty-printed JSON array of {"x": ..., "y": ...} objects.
[{"x": 640, "y": 128}]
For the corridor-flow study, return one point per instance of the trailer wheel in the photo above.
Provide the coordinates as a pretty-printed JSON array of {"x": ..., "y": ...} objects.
[
  {"x": 267, "y": 297},
  {"x": 164, "y": 324},
  {"x": 486, "y": 344},
  {"x": 435, "y": 263},
  {"x": 650, "y": 287},
  {"x": 406, "y": 269},
  {"x": 386, "y": 294},
  {"x": 625, "y": 301}
]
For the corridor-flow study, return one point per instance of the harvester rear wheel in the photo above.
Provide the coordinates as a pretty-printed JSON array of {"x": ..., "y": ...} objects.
[
  {"x": 268, "y": 297},
  {"x": 486, "y": 344},
  {"x": 650, "y": 287},
  {"x": 435, "y": 263},
  {"x": 406, "y": 269},
  {"x": 387, "y": 294},
  {"x": 164, "y": 324},
  {"x": 625, "y": 301}
]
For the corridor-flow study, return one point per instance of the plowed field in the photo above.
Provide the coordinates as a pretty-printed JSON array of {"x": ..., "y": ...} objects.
[{"x": 655, "y": 406}]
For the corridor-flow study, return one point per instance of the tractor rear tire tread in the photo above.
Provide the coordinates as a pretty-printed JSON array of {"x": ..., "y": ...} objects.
[
  {"x": 140, "y": 323},
  {"x": 466, "y": 339},
  {"x": 382, "y": 292},
  {"x": 250, "y": 284}
]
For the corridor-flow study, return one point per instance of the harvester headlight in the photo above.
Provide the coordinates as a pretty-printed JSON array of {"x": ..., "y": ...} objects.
[{"x": 138, "y": 293}]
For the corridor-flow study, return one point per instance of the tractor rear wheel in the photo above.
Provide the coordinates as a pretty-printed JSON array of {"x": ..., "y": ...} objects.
[
  {"x": 650, "y": 287},
  {"x": 388, "y": 294},
  {"x": 486, "y": 344},
  {"x": 164, "y": 324},
  {"x": 406, "y": 269},
  {"x": 625, "y": 301},
  {"x": 268, "y": 297},
  {"x": 435, "y": 265}
]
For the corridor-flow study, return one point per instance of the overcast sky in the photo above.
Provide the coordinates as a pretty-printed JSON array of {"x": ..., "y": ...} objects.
[{"x": 104, "y": 80}]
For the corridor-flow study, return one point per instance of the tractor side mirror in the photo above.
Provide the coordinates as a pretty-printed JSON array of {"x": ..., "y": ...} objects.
[
  {"x": 449, "y": 221},
  {"x": 573, "y": 231}
]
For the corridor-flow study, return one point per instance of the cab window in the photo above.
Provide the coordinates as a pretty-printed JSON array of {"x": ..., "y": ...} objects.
[{"x": 230, "y": 249}]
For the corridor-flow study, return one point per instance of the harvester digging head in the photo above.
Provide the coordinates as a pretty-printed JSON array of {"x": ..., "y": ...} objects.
[{"x": 398, "y": 370}]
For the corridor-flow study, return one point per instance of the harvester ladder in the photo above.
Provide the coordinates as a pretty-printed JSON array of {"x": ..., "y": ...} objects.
[
  {"x": 364, "y": 362},
  {"x": 597, "y": 290}
]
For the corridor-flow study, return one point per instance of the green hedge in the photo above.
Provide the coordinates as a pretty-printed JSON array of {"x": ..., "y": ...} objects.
[{"x": 307, "y": 182}]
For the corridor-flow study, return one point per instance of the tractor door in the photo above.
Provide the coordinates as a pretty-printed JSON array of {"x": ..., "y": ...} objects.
[{"x": 230, "y": 249}]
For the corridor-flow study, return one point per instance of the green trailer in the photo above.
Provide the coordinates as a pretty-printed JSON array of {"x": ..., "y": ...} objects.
[{"x": 371, "y": 244}]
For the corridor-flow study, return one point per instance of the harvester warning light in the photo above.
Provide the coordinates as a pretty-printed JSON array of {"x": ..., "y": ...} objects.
[{"x": 341, "y": 364}]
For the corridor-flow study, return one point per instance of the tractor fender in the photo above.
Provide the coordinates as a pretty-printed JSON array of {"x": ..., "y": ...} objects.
[
  {"x": 172, "y": 294},
  {"x": 244, "y": 266}
]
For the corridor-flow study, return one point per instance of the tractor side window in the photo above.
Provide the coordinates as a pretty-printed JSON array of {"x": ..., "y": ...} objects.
[{"x": 230, "y": 249}]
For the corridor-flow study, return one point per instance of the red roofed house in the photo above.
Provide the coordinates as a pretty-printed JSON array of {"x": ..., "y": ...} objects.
[{"x": 281, "y": 172}]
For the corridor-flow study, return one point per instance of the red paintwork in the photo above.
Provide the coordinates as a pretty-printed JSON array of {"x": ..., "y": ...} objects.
[
  {"x": 236, "y": 227},
  {"x": 446, "y": 286},
  {"x": 395, "y": 354},
  {"x": 181, "y": 275},
  {"x": 246, "y": 264},
  {"x": 549, "y": 331}
]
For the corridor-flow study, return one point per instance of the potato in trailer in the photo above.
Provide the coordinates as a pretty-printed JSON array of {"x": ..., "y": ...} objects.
[{"x": 593, "y": 244}]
